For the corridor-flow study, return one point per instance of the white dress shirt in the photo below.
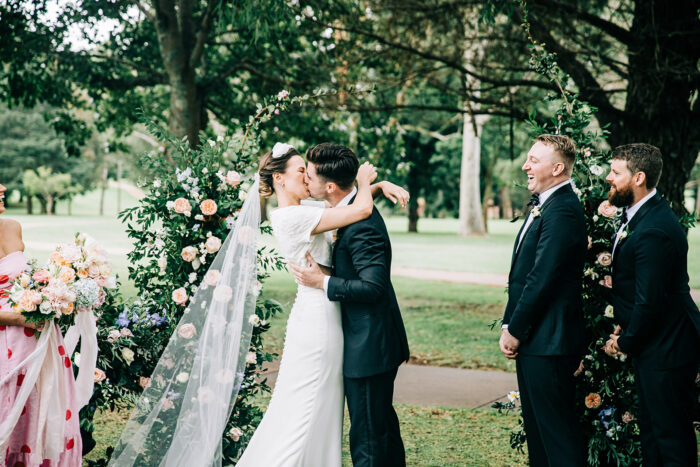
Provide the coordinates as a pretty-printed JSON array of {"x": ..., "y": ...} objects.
[
  {"x": 343, "y": 202},
  {"x": 631, "y": 211},
  {"x": 543, "y": 197}
]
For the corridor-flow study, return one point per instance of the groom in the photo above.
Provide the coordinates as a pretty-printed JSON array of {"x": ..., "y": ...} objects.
[
  {"x": 374, "y": 335},
  {"x": 543, "y": 321}
]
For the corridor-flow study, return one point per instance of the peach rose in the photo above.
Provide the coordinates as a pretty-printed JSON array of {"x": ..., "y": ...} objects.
[
  {"x": 212, "y": 277},
  {"x": 100, "y": 375},
  {"x": 41, "y": 275},
  {"x": 144, "y": 382},
  {"x": 606, "y": 282},
  {"x": 208, "y": 207},
  {"x": 180, "y": 296},
  {"x": 593, "y": 401},
  {"x": 186, "y": 331},
  {"x": 590, "y": 242},
  {"x": 56, "y": 257},
  {"x": 606, "y": 209},
  {"x": 604, "y": 258},
  {"x": 26, "y": 302},
  {"x": 189, "y": 253},
  {"x": 82, "y": 273},
  {"x": 233, "y": 178},
  {"x": 182, "y": 205},
  {"x": 68, "y": 309},
  {"x": 213, "y": 244},
  {"x": 67, "y": 274}
]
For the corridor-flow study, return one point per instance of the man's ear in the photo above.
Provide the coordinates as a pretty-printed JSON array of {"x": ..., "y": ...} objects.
[
  {"x": 640, "y": 179},
  {"x": 559, "y": 168},
  {"x": 331, "y": 188}
]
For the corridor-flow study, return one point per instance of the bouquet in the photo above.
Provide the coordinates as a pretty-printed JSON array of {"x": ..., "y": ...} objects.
[{"x": 73, "y": 280}]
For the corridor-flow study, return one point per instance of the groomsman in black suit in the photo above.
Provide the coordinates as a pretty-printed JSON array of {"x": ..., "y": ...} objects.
[
  {"x": 543, "y": 326},
  {"x": 652, "y": 302}
]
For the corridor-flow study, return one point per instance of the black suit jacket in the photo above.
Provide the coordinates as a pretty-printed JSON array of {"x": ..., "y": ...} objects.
[
  {"x": 375, "y": 338},
  {"x": 651, "y": 296},
  {"x": 545, "y": 309}
]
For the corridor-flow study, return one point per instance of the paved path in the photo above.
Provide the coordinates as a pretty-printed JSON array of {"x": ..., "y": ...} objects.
[{"x": 448, "y": 387}]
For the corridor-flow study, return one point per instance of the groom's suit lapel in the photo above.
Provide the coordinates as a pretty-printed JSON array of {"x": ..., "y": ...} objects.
[
  {"x": 552, "y": 197},
  {"x": 636, "y": 219}
]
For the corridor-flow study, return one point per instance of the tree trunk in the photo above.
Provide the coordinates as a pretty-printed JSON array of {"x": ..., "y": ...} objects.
[
  {"x": 413, "y": 215},
  {"x": 29, "y": 204},
  {"x": 488, "y": 189},
  {"x": 506, "y": 204},
  {"x": 103, "y": 188},
  {"x": 50, "y": 205},
  {"x": 471, "y": 221},
  {"x": 42, "y": 202}
]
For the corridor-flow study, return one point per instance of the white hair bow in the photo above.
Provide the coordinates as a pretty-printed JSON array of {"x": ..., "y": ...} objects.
[{"x": 280, "y": 149}]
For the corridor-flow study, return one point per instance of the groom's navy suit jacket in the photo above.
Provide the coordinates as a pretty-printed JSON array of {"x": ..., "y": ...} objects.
[
  {"x": 375, "y": 338},
  {"x": 651, "y": 297},
  {"x": 545, "y": 310}
]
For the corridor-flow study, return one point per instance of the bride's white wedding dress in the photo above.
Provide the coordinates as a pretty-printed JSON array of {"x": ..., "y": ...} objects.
[{"x": 303, "y": 423}]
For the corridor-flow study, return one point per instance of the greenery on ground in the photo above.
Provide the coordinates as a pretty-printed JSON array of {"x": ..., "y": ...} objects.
[{"x": 433, "y": 436}]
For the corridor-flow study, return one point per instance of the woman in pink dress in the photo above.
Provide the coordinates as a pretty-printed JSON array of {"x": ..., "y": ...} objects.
[{"x": 17, "y": 341}]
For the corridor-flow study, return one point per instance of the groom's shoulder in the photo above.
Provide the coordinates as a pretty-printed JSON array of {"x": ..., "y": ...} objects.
[{"x": 373, "y": 222}]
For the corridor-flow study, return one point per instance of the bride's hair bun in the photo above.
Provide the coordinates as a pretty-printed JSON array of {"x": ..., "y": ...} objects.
[{"x": 270, "y": 165}]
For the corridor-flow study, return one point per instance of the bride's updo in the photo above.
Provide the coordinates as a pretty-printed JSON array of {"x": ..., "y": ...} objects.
[{"x": 270, "y": 165}]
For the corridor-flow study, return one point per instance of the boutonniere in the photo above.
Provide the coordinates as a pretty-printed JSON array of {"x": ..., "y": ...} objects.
[
  {"x": 625, "y": 233},
  {"x": 536, "y": 212}
]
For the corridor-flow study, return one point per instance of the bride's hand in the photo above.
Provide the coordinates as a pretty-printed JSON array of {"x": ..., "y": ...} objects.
[
  {"x": 366, "y": 174},
  {"x": 395, "y": 193}
]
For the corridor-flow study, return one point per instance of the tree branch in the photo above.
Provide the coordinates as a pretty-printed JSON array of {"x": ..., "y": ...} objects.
[
  {"x": 203, "y": 33},
  {"x": 146, "y": 12}
]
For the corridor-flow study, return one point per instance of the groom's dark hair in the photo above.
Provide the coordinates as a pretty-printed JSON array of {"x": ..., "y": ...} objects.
[{"x": 334, "y": 163}]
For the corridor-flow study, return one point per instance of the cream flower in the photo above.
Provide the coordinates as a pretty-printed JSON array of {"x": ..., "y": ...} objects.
[
  {"x": 604, "y": 258},
  {"x": 100, "y": 375},
  {"x": 128, "y": 355},
  {"x": 189, "y": 253},
  {"x": 182, "y": 377},
  {"x": 251, "y": 358},
  {"x": 222, "y": 293},
  {"x": 608, "y": 313},
  {"x": 233, "y": 178}
]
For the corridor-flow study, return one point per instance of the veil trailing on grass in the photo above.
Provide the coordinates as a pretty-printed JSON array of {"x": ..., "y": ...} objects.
[{"x": 180, "y": 417}]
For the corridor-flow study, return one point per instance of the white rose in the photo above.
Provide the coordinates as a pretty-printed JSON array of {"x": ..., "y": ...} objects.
[
  {"x": 156, "y": 183},
  {"x": 254, "y": 320},
  {"x": 212, "y": 277},
  {"x": 596, "y": 170},
  {"x": 242, "y": 195},
  {"x": 182, "y": 377},
  {"x": 233, "y": 178},
  {"x": 608, "y": 313},
  {"x": 192, "y": 277},
  {"x": 162, "y": 263},
  {"x": 170, "y": 205},
  {"x": 76, "y": 359}
]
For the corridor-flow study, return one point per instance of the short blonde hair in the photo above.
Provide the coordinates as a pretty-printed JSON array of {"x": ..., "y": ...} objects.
[{"x": 564, "y": 146}]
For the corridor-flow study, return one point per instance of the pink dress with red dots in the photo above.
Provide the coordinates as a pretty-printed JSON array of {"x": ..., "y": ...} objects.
[{"x": 16, "y": 343}]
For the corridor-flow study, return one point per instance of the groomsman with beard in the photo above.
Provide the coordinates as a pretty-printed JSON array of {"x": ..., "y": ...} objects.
[
  {"x": 652, "y": 302},
  {"x": 543, "y": 326}
]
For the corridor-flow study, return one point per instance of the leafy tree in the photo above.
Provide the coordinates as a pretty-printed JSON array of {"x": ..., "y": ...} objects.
[{"x": 48, "y": 186}]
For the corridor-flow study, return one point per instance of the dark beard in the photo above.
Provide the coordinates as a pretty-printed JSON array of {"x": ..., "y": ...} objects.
[{"x": 621, "y": 198}]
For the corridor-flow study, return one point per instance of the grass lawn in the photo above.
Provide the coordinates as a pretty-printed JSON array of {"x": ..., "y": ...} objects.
[
  {"x": 447, "y": 324},
  {"x": 432, "y": 436}
]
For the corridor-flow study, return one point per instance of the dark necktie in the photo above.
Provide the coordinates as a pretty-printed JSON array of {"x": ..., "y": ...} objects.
[
  {"x": 534, "y": 201},
  {"x": 624, "y": 216}
]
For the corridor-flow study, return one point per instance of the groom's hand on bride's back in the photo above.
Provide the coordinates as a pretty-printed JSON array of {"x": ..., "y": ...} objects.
[{"x": 309, "y": 276}]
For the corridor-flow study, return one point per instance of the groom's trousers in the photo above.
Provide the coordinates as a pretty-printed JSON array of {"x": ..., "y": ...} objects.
[
  {"x": 375, "y": 438},
  {"x": 548, "y": 395}
]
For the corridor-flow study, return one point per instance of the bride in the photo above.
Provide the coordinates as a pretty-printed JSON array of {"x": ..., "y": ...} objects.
[{"x": 303, "y": 422}]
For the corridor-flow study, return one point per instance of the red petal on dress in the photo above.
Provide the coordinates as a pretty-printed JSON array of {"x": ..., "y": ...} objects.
[
  {"x": 2, "y": 328},
  {"x": 25, "y": 448},
  {"x": 70, "y": 444},
  {"x": 24, "y": 410},
  {"x": 61, "y": 350},
  {"x": 9, "y": 354},
  {"x": 68, "y": 414},
  {"x": 18, "y": 464},
  {"x": 20, "y": 379},
  {"x": 66, "y": 362},
  {"x": 29, "y": 332},
  {"x": 4, "y": 278}
]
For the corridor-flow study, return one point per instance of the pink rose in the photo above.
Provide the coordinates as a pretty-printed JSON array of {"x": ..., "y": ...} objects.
[
  {"x": 606, "y": 282},
  {"x": 627, "y": 417},
  {"x": 41, "y": 276},
  {"x": 607, "y": 210},
  {"x": 125, "y": 332},
  {"x": 212, "y": 277},
  {"x": 235, "y": 433},
  {"x": 186, "y": 331},
  {"x": 213, "y": 244},
  {"x": 179, "y": 296},
  {"x": 113, "y": 335},
  {"x": 233, "y": 178},
  {"x": 167, "y": 404},
  {"x": 145, "y": 382}
]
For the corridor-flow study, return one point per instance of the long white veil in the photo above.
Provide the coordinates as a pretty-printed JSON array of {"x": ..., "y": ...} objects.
[{"x": 179, "y": 419}]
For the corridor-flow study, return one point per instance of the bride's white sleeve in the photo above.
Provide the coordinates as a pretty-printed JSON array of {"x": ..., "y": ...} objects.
[{"x": 293, "y": 229}]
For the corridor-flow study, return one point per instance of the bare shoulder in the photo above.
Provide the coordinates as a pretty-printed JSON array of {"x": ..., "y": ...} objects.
[{"x": 10, "y": 231}]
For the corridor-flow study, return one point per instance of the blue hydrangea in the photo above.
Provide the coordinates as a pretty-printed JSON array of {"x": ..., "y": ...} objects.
[
  {"x": 87, "y": 292},
  {"x": 122, "y": 320},
  {"x": 606, "y": 416}
]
